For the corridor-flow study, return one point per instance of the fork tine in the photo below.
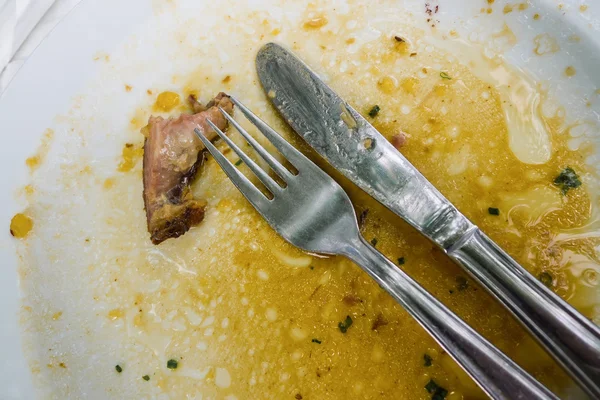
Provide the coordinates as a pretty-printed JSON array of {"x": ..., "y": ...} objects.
[
  {"x": 250, "y": 192},
  {"x": 294, "y": 156},
  {"x": 273, "y": 163},
  {"x": 273, "y": 187}
]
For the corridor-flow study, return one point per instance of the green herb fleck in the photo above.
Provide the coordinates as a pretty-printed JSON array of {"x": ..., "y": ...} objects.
[
  {"x": 374, "y": 111},
  {"x": 374, "y": 242},
  {"x": 437, "y": 392},
  {"x": 567, "y": 179},
  {"x": 312, "y": 267},
  {"x": 317, "y": 341},
  {"x": 238, "y": 162},
  {"x": 347, "y": 323},
  {"x": 461, "y": 283},
  {"x": 546, "y": 278},
  {"x": 118, "y": 368},
  {"x": 493, "y": 211},
  {"x": 444, "y": 75},
  {"x": 401, "y": 261},
  {"x": 427, "y": 360},
  {"x": 146, "y": 377},
  {"x": 172, "y": 364}
]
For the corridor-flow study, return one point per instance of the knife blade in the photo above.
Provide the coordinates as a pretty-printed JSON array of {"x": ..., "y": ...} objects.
[{"x": 355, "y": 148}]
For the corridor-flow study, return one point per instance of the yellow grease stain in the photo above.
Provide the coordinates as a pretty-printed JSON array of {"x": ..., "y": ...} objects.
[
  {"x": 166, "y": 101},
  {"x": 20, "y": 225}
]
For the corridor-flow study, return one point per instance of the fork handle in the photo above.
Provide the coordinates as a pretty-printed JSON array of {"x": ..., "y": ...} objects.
[
  {"x": 493, "y": 371},
  {"x": 572, "y": 339}
]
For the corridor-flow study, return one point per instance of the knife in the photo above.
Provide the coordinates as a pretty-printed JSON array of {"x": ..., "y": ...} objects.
[{"x": 355, "y": 148}]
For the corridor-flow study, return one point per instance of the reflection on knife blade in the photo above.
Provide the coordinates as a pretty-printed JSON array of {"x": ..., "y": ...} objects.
[{"x": 349, "y": 143}]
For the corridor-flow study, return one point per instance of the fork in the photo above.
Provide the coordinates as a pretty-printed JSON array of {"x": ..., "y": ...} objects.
[{"x": 312, "y": 212}]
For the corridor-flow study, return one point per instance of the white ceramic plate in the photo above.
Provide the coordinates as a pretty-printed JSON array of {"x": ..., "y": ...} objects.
[{"x": 72, "y": 68}]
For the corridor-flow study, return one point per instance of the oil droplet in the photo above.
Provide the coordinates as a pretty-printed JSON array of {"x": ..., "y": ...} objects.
[
  {"x": 33, "y": 162},
  {"x": 56, "y": 316},
  {"x": 20, "y": 225},
  {"x": 108, "y": 183},
  {"x": 536, "y": 16},
  {"x": 583, "y": 8},
  {"x": 507, "y": 9},
  {"x": 570, "y": 71},
  {"x": 315, "y": 23},
  {"x": 409, "y": 84},
  {"x": 115, "y": 314},
  {"x": 387, "y": 84},
  {"x": 166, "y": 101}
]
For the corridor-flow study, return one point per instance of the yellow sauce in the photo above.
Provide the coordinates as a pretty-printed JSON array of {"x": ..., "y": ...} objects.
[
  {"x": 20, "y": 225},
  {"x": 166, "y": 101},
  {"x": 130, "y": 156}
]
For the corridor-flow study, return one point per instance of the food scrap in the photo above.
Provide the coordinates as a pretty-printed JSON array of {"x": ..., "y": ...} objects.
[
  {"x": 567, "y": 179},
  {"x": 437, "y": 392},
  {"x": 172, "y": 364},
  {"x": 427, "y": 360},
  {"x": 374, "y": 111},
  {"x": 172, "y": 156},
  {"x": 146, "y": 377},
  {"x": 546, "y": 279},
  {"x": 317, "y": 341},
  {"x": 493, "y": 211},
  {"x": 344, "y": 325},
  {"x": 399, "y": 140},
  {"x": 444, "y": 75},
  {"x": 118, "y": 368}
]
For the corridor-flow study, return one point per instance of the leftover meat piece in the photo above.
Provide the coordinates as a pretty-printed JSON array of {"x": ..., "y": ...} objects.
[{"x": 172, "y": 156}]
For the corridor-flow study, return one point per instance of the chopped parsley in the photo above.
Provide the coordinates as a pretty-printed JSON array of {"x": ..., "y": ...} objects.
[
  {"x": 146, "y": 377},
  {"x": 238, "y": 162},
  {"x": 567, "y": 179},
  {"x": 317, "y": 341},
  {"x": 444, "y": 75},
  {"x": 399, "y": 39},
  {"x": 312, "y": 267},
  {"x": 374, "y": 242},
  {"x": 172, "y": 364},
  {"x": 437, "y": 392},
  {"x": 493, "y": 211},
  {"x": 427, "y": 360},
  {"x": 461, "y": 283},
  {"x": 374, "y": 111},
  {"x": 401, "y": 261},
  {"x": 347, "y": 323},
  {"x": 118, "y": 368},
  {"x": 546, "y": 278}
]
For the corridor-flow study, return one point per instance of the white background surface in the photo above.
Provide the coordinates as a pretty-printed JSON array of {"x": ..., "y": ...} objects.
[{"x": 23, "y": 25}]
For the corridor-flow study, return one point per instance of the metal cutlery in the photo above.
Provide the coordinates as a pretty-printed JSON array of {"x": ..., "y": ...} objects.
[
  {"x": 312, "y": 212},
  {"x": 351, "y": 145}
]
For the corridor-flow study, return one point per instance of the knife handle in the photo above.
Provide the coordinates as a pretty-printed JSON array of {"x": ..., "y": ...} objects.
[
  {"x": 568, "y": 336},
  {"x": 494, "y": 372}
]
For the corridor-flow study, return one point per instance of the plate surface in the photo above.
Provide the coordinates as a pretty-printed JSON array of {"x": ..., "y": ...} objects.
[{"x": 85, "y": 54}]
